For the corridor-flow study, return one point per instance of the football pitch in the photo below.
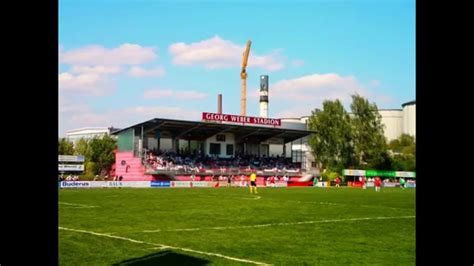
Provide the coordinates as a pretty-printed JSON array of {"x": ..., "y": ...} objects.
[{"x": 230, "y": 226}]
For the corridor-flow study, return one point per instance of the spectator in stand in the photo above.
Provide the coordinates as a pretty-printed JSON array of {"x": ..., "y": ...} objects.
[
  {"x": 242, "y": 181},
  {"x": 378, "y": 183},
  {"x": 272, "y": 181}
]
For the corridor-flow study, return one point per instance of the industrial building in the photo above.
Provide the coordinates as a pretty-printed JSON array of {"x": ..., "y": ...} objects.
[{"x": 88, "y": 133}]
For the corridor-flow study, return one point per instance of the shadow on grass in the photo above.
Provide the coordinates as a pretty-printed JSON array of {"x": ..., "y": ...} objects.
[{"x": 166, "y": 257}]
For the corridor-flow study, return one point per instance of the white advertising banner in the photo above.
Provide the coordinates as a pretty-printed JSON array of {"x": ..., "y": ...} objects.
[
  {"x": 75, "y": 184},
  {"x": 390, "y": 184},
  {"x": 353, "y": 172},
  {"x": 104, "y": 184},
  {"x": 202, "y": 184},
  {"x": 281, "y": 184},
  {"x": 404, "y": 174},
  {"x": 70, "y": 167},
  {"x": 98, "y": 183},
  {"x": 180, "y": 184},
  {"x": 128, "y": 184},
  {"x": 70, "y": 158}
]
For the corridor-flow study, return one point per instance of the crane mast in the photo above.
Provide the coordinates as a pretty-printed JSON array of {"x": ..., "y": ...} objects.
[{"x": 243, "y": 78}]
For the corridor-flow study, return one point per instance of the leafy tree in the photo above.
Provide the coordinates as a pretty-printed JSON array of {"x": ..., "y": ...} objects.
[
  {"x": 82, "y": 148},
  {"x": 368, "y": 135},
  {"x": 404, "y": 144},
  {"x": 332, "y": 143},
  {"x": 102, "y": 153},
  {"x": 65, "y": 147},
  {"x": 404, "y": 150}
]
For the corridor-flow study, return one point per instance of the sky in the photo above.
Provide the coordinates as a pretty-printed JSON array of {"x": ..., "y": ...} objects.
[{"x": 122, "y": 62}]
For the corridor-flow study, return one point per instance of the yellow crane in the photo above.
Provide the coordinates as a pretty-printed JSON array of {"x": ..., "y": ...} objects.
[{"x": 243, "y": 78}]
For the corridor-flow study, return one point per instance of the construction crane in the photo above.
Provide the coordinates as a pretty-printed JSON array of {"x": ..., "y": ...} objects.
[{"x": 243, "y": 78}]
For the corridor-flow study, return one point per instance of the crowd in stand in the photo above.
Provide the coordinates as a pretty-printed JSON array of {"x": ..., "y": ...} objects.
[
  {"x": 195, "y": 163},
  {"x": 69, "y": 178}
]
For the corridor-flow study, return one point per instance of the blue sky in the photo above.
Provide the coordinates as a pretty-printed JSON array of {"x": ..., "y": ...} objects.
[{"x": 123, "y": 62}]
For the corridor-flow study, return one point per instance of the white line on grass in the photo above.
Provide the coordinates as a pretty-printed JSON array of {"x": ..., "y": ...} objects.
[
  {"x": 277, "y": 224},
  {"x": 227, "y": 196},
  {"x": 78, "y": 205},
  {"x": 342, "y": 204},
  {"x": 161, "y": 246}
]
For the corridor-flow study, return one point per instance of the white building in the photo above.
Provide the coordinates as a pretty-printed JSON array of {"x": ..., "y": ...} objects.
[
  {"x": 88, "y": 133},
  {"x": 409, "y": 118},
  {"x": 392, "y": 120}
]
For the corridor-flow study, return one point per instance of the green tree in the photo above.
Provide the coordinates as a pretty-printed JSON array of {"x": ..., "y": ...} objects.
[
  {"x": 332, "y": 143},
  {"x": 102, "y": 153},
  {"x": 368, "y": 134},
  {"x": 65, "y": 147},
  {"x": 405, "y": 144},
  {"x": 404, "y": 153},
  {"x": 83, "y": 148}
]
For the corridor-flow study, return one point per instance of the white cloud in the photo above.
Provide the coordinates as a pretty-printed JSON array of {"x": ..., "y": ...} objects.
[
  {"x": 219, "y": 53},
  {"x": 384, "y": 99},
  {"x": 162, "y": 93},
  {"x": 121, "y": 118},
  {"x": 299, "y": 96},
  {"x": 157, "y": 93},
  {"x": 297, "y": 63},
  {"x": 96, "y": 69},
  {"x": 140, "y": 72},
  {"x": 374, "y": 83},
  {"x": 190, "y": 95},
  {"x": 73, "y": 108},
  {"x": 125, "y": 54},
  {"x": 88, "y": 84}
]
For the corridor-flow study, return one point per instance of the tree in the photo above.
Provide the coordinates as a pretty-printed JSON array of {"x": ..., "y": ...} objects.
[
  {"x": 102, "y": 153},
  {"x": 404, "y": 153},
  {"x": 368, "y": 134},
  {"x": 82, "y": 148},
  {"x": 332, "y": 143},
  {"x": 65, "y": 147}
]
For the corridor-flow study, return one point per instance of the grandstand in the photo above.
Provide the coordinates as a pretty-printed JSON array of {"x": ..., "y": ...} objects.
[{"x": 160, "y": 149}]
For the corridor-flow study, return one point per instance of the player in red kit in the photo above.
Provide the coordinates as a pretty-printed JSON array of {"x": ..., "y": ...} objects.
[{"x": 378, "y": 182}]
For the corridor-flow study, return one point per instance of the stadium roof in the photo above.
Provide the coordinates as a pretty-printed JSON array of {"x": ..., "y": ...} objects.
[
  {"x": 193, "y": 130},
  {"x": 409, "y": 103}
]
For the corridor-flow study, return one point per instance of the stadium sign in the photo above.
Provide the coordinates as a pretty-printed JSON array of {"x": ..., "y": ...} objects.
[{"x": 241, "y": 119}]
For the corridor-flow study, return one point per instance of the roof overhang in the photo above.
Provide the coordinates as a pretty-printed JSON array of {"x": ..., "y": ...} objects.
[{"x": 194, "y": 130}]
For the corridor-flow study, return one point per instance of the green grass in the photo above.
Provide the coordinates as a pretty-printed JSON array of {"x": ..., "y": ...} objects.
[{"x": 128, "y": 212}]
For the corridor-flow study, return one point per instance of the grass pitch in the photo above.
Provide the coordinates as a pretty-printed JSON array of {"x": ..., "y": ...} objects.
[{"x": 230, "y": 226}]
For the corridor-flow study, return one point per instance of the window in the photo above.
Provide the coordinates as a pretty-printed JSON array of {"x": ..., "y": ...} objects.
[
  {"x": 313, "y": 164},
  {"x": 230, "y": 149},
  {"x": 215, "y": 148},
  {"x": 220, "y": 137}
]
